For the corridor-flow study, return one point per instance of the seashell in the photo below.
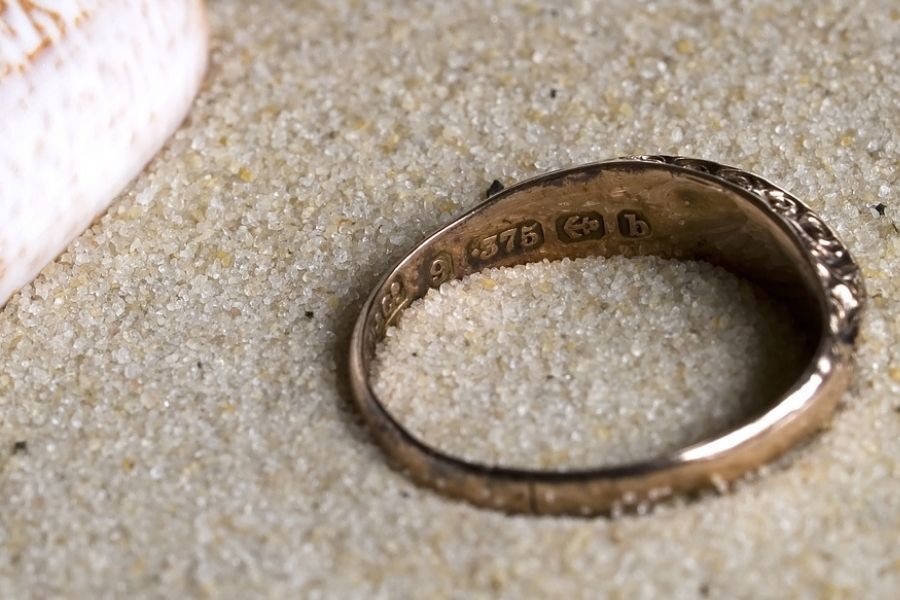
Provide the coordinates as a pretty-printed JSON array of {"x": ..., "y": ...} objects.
[{"x": 89, "y": 91}]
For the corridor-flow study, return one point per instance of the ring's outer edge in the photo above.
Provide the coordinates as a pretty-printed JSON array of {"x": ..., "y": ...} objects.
[{"x": 708, "y": 463}]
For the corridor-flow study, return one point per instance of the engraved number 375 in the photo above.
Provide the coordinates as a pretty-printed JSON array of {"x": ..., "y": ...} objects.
[{"x": 523, "y": 236}]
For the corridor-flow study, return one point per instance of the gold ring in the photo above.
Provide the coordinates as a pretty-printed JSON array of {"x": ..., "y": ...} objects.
[{"x": 668, "y": 206}]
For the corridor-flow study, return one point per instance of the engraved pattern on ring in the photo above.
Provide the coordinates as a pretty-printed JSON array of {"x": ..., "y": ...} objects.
[{"x": 838, "y": 272}]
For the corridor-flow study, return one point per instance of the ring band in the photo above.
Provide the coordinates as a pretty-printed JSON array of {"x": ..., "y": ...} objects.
[{"x": 668, "y": 206}]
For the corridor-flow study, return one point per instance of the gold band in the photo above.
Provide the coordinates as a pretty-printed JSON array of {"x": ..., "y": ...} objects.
[{"x": 672, "y": 207}]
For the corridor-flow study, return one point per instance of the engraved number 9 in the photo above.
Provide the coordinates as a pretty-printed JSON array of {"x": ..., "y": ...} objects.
[{"x": 439, "y": 271}]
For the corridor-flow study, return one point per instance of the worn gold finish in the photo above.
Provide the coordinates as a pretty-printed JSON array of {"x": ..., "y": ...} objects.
[{"x": 667, "y": 206}]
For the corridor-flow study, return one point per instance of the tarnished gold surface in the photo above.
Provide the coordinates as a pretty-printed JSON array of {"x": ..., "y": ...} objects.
[{"x": 668, "y": 206}]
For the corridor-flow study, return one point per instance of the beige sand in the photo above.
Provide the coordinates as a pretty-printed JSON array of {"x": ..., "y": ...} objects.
[{"x": 174, "y": 416}]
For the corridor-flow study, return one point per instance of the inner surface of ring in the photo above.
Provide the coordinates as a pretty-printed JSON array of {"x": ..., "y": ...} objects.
[{"x": 610, "y": 209}]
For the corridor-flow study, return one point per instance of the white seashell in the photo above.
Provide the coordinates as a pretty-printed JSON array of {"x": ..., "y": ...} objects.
[{"x": 89, "y": 92}]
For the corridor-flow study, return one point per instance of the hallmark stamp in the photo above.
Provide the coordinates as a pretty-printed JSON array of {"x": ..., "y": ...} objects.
[
  {"x": 578, "y": 227},
  {"x": 440, "y": 269},
  {"x": 388, "y": 307},
  {"x": 633, "y": 225},
  {"x": 519, "y": 238}
]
